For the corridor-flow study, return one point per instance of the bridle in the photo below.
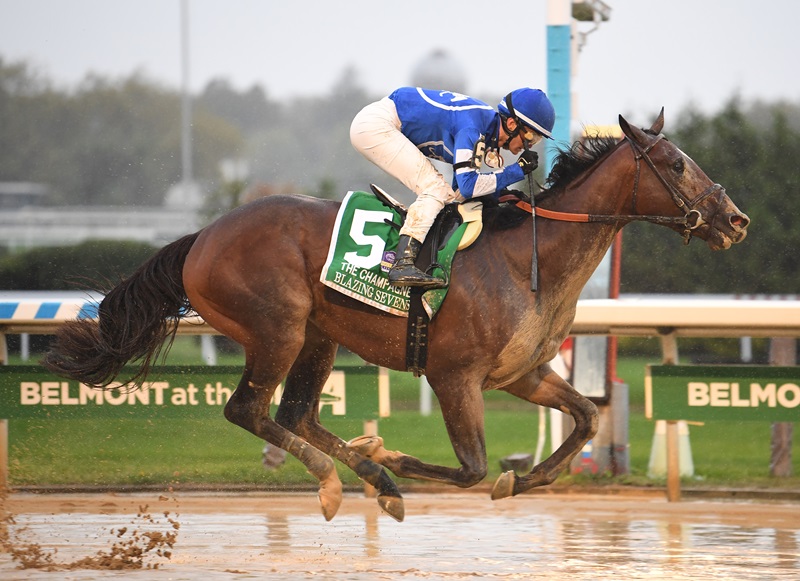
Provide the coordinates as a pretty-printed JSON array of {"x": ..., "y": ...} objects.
[{"x": 691, "y": 220}]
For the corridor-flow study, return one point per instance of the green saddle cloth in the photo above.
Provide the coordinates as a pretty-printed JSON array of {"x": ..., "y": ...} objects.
[{"x": 362, "y": 251}]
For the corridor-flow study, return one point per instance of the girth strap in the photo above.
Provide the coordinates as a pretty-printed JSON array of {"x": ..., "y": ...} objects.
[{"x": 417, "y": 334}]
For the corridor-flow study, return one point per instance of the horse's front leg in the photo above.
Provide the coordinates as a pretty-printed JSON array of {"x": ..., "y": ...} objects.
[
  {"x": 462, "y": 410},
  {"x": 545, "y": 387}
]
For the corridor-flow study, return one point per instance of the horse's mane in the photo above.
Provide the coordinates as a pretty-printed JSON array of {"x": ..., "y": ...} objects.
[
  {"x": 569, "y": 165},
  {"x": 572, "y": 162}
]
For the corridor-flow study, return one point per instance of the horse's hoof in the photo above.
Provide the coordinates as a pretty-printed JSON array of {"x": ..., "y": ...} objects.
[
  {"x": 393, "y": 506},
  {"x": 504, "y": 486},
  {"x": 330, "y": 495},
  {"x": 366, "y": 445}
]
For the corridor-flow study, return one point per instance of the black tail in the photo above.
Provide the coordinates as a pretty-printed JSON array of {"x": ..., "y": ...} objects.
[{"x": 137, "y": 321}]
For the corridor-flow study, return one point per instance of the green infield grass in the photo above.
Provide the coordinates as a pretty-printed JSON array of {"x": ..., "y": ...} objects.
[{"x": 208, "y": 452}]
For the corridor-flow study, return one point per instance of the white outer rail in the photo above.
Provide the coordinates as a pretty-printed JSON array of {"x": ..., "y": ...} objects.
[
  {"x": 703, "y": 317},
  {"x": 681, "y": 315}
]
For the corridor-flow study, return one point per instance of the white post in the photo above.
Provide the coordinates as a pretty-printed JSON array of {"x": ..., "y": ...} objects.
[
  {"x": 556, "y": 429},
  {"x": 673, "y": 463},
  {"x": 537, "y": 457},
  {"x": 669, "y": 356},
  {"x": 370, "y": 429},
  {"x": 425, "y": 394},
  {"x": 24, "y": 346},
  {"x": 209, "y": 349},
  {"x": 746, "y": 349},
  {"x": 3, "y": 455}
]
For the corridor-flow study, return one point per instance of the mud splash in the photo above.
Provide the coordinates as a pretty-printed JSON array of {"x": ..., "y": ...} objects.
[{"x": 146, "y": 543}]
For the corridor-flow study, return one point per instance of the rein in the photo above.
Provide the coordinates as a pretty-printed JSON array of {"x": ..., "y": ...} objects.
[{"x": 690, "y": 220}]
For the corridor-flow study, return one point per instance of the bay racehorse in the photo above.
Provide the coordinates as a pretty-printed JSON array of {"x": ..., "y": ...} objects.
[{"x": 254, "y": 275}]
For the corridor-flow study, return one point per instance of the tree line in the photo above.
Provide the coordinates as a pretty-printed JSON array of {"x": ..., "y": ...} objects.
[{"x": 117, "y": 142}]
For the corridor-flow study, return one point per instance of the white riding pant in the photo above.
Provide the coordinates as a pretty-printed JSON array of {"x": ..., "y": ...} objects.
[{"x": 375, "y": 133}]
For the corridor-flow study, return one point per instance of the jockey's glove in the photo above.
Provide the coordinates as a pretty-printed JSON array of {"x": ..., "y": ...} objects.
[{"x": 528, "y": 161}]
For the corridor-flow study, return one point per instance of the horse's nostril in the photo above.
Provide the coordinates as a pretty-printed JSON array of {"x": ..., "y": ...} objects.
[{"x": 739, "y": 221}]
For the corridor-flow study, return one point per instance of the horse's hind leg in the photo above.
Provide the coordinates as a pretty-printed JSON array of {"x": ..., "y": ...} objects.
[
  {"x": 257, "y": 292},
  {"x": 248, "y": 408},
  {"x": 299, "y": 413},
  {"x": 545, "y": 387}
]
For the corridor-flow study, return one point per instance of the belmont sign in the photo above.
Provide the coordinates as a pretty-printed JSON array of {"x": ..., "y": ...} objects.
[
  {"x": 33, "y": 392},
  {"x": 676, "y": 392}
]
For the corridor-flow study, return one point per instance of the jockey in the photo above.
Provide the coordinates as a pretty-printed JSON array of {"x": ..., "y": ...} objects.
[{"x": 401, "y": 132}]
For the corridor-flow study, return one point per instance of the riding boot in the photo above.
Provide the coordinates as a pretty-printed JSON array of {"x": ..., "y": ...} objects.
[{"x": 405, "y": 273}]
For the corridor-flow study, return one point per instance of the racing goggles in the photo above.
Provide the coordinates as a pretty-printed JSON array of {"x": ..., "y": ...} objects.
[{"x": 529, "y": 136}]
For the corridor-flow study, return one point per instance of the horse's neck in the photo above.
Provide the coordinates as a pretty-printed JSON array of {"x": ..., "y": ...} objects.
[
  {"x": 581, "y": 249},
  {"x": 577, "y": 249}
]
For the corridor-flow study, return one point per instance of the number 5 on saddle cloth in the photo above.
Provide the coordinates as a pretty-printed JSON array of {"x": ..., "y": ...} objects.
[
  {"x": 363, "y": 246},
  {"x": 362, "y": 251}
]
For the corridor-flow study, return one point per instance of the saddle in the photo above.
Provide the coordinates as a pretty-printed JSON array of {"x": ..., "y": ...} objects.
[
  {"x": 445, "y": 225},
  {"x": 447, "y": 222}
]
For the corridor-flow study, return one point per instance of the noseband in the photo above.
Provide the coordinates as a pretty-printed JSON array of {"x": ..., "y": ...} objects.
[{"x": 692, "y": 218}]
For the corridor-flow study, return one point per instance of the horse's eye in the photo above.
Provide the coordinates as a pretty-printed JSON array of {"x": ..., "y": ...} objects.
[{"x": 678, "y": 166}]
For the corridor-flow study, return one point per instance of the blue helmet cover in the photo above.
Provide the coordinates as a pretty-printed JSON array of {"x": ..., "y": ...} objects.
[{"x": 532, "y": 108}]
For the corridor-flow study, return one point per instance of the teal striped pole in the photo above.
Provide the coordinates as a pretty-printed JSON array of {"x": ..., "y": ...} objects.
[{"x": 559, "y": 72}]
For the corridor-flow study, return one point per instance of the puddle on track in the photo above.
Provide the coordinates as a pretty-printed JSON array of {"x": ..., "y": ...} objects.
[{"x": 276, "y": 536}]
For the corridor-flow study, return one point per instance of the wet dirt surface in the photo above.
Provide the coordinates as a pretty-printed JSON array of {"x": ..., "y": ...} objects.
[{"x": 444, "y": 536}]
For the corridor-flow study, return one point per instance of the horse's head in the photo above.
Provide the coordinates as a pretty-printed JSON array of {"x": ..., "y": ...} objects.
[{"x": 692, "y": 204}]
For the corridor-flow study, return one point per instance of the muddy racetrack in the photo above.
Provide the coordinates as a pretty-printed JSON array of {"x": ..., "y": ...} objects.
[{"x": 444, "y": 536}]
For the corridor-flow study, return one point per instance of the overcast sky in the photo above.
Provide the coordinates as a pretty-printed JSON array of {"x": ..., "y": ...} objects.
[{"x": 651, "y": 52}]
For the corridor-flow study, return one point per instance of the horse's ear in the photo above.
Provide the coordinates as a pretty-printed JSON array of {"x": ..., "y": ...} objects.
[
  {"x": 659, "y": 123},
  {"x": 633, "y": 133}
]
